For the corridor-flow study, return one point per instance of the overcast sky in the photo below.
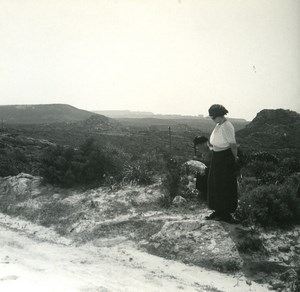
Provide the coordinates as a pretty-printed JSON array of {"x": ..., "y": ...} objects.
[{"x": 164, "y": 56}]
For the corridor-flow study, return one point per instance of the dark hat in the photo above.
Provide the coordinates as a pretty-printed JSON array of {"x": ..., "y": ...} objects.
[
  {"x": 200, "y": 140},
  {"x": 217, "y": 110}
]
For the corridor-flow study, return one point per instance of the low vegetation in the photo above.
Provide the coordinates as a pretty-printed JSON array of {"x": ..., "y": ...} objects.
[
  {"x": 81, "y": 155},
  {"x": 87, "y": 165},
  {"x": 268, "y": 186},
  {"x": 269, "y": 193}
]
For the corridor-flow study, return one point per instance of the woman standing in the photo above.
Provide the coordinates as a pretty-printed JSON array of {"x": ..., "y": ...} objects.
[{"x": 222, "y": 182}]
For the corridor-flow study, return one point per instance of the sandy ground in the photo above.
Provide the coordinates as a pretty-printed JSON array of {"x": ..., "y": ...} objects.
[{"x": 29, "y": 263}]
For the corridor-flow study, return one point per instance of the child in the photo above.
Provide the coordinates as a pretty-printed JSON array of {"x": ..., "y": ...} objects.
[{"x": 201, "y": 145}]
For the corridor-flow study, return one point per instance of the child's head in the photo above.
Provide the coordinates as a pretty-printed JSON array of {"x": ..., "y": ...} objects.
[{"x": 200, "y": 142}]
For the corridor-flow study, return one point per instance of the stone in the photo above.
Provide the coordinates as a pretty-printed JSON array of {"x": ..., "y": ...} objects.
[
  {"x": 20, "y": 186},
  {"x": 179, "y": 201},
  {"x": 284, "y": 248},
  {"x": 192, "y": 241},
  {"x": 56, "y": 196}
]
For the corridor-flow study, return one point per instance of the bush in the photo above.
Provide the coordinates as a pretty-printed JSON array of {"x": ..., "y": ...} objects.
[
  {"x": 171, "y": 181},
  {"x": 142, "y": 169},
  {"x": 247, "y": 184},
  {"x": 259, "y": 169},
  {"x": 268, "y": 169},
  {"x": 270, "y": 205},
  {"x": 137, "y": 172},
  {"x": 264, "y": 156},
  {"x": 289, "y": 166},
  {"x": 88, "y": 165},
  {"x": 7, "y": 166}
]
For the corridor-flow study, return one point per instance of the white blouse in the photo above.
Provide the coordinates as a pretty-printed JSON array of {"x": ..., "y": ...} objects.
[{"x": 222, "y": 136}]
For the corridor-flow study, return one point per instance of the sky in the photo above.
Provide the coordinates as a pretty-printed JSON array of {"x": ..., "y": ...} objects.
[{"x": 162, "y": 56}]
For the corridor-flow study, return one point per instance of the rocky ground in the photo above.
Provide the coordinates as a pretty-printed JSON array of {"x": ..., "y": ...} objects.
[
  {"x": 31, "y": 263},
  {"x": 129, "y": 228}
]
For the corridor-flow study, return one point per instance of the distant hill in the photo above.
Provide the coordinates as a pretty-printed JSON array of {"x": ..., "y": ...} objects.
[
  {"x": 70, "y": 132},
  {"x": 204, "y": 125},
  {"x": 148, "y": 119},
  {"x": 119, "y": 114},
  {"x": 126, "y": 115},
  {"x": 275, "y": 131},
  {"x": 41, "y": 114}
]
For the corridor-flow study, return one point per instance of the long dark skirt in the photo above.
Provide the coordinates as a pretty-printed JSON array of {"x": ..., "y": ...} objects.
[{"x": 222, "y": 183}]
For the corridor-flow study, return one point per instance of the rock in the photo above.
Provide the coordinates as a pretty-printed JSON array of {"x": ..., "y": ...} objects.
[
  {"x": 56, "y": 196},
  {"x": 202, "y": 243},
  {"x": 277, "y": 284},
  {"x": 193, "y": 207},
  {"x": 179, "y": 201},
  {"x": 284, "y": 248},
  {"x": 21, "y": 185},
  {"x": 35, "y": 193},
  {"x": 24, "y": 175},
  {"x": 146, "y": 197},
  {"x": 289, "y": 276},
  {"x": 285, "y": 259},
  {"x": 297, "y": 248},
  {"x": 194, "y": 166},
  {"x": 143, "y": 243}
]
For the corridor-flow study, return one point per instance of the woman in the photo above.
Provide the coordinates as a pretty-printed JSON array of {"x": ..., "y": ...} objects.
[{"x": 222, "y": 182}]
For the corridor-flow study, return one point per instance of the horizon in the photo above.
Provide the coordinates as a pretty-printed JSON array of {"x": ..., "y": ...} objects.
[
  {"x": 171, "y": 57},
  {"x": 144, "y": 112}
]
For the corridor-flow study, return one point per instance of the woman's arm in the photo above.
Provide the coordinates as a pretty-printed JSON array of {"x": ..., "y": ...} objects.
[{"x": 233, "y": 148}]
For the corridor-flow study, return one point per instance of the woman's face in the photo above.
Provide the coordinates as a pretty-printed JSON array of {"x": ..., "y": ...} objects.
[{"x": 217, "y": 120}]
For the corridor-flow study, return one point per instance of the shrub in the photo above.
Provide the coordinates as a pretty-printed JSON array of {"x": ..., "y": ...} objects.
[
  {"x": 264, "y": 156},
  {"x": 270, "y": 205},
  {"x": 55, "y": 165},
  {"x": 7, "y": 166},
  {"x": 289, "y": 166},
  {"x": 247, "y": 184},
  {"x": 164, "y": 201},
  {"x": 67, "y": 167},
  {"x": 137, "y": 172},
  {"x": 155, "y": 162},
  {"x": 249, "y": 241},
  {"x": 142, "y": 169},
  {"x": 20, "y": 156},
  {"x": 259, "y": 168},
  {"x": 171, "y": 181}
]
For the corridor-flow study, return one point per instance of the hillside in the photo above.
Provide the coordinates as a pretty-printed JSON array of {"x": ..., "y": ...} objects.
[
  {"x": 68, "y": 132},
  {"x": 19, "y": 153},
  {"x": 275, "y": 131},
  {"x": 119, "y": 213},
  {"x": 174, "y": 246},
  {"x": 41, "y": 114}
]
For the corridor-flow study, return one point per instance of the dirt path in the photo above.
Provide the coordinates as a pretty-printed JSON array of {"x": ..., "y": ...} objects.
[{"x": 31, "y": 264}]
